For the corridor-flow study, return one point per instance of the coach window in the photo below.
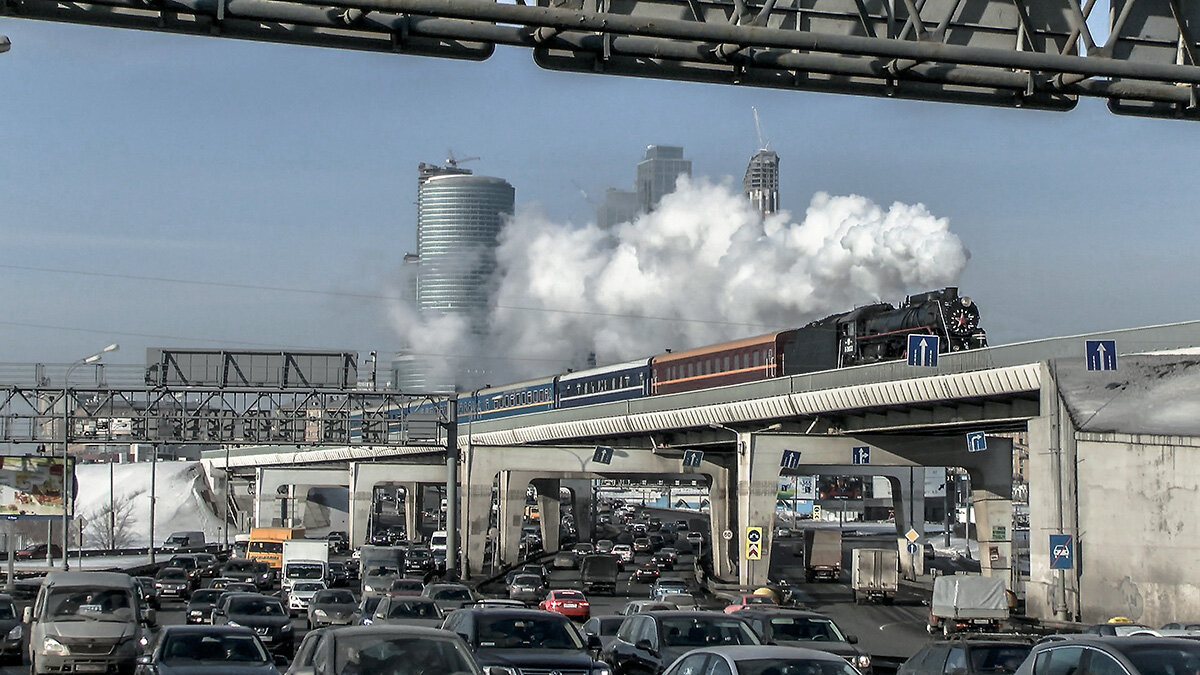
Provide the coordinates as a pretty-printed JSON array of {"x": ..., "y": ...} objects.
[
  {"x": 726, "y": 363},
  {"x": 691, "y": 369}
]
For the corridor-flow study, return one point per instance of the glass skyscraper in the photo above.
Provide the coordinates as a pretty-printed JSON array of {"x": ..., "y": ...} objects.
[
  {"x": 761, "y": 182},
  {"x": 656, "y": 174}
]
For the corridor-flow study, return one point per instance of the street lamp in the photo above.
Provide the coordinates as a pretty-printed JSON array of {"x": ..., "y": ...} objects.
[{"x": 66, "y": 488}]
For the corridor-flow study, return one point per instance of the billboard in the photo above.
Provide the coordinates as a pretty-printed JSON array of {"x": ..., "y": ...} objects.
[
  {"x": 31, "y": 486},
  {"x": 840, "y": 487}
]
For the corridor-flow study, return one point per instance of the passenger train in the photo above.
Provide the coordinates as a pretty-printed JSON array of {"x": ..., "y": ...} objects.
[{"x": 877, "y": 332}]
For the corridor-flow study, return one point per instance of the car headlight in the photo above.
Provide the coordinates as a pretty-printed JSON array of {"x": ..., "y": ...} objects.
[
  {"x": 233, "y": 624},
  {"x": 52, "y": 646},
  {"x": 367, "y": 621},
  {"x": 601, "y": 669},
  {"x": 320, "y": 613},
  {"x": 862, "y": 661},
  {"x": 368, "y": 589},
  {"x": 195, "y": 612},
  {"x": 15, "y": 633},
  {"x": 500, "y": 670},
  {"x": 285, "y": 628}
]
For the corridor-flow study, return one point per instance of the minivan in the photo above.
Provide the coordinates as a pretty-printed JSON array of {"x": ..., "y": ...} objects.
[{"x": 182, "y": 540}]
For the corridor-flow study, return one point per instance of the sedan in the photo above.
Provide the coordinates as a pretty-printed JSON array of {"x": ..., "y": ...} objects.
[
  {"x": 642, "y": 545},
  {"x": 332, "y": 608},
  {"x": 571, "y": 604},
  {"x": 263, "y": 614},
  {"x": 196, "y": 650},
  {"x": 301, "y": 594},
  {"x": 664, "y": 561},
  {"x": 172, "y": 582},
  {"x": 645, "y": 574},
  {"x": 526, "y": 587},
  {"x": 449, "y": 596},
  {"x": 388, "y": 650},
  {"x": 10, "y": 628},
  {"x": 759, "y": 661},
  {"x": 38, "y": 551},
  {"x": 200, "y": 605},
  {"x": 624, "y": 552},
  {"x": 405, "y": 610}
]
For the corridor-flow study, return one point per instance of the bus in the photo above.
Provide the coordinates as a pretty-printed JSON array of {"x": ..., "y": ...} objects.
[{"x": 266, "y": 543}]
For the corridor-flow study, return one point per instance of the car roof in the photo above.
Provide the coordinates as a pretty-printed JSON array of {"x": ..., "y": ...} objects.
[
  {"x": 1120, "y": 643},
  {"x": 751, "y": 652},
  {"x": 689, "y": 614},
  {"x": 93, "y": 579},
  {"x": 776, "y": 610},
  {"x": 392, "y": 629},
  {"x": 206, "y": 629},
  {"x": 511, "y": 612}
]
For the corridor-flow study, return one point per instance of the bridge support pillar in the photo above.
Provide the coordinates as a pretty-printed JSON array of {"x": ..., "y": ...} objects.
[
  {"x": 550, "y": 508},
  {"x": 513, "y": 488},
  {"x": 757, "y": 493},
  {"x": 582, "y": 503},
  {"x": 720, "y": 507},
  {"x": 908, "y": 505},
  {"x": 478, "y": 481},
  {"x": 412, "y": 510},
  {"x": 364, "y": 476}
]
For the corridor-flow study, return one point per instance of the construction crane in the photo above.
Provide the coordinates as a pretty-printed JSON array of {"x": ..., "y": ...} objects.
[
  {"x": 453, "y": 162},
  {"x": 762, "y": 144}
]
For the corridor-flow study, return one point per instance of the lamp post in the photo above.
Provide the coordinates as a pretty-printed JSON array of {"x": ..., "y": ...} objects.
[{"x": 68, "y": 479}]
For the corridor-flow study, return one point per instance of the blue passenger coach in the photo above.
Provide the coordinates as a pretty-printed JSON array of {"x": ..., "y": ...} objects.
[
  {"x": 511, "y": 399},
  {"x": 617, "y": 382}
]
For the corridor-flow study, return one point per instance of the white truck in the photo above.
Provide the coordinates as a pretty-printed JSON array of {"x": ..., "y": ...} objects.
[
  {"x": 967, "y": 603},
  {"x": 874, "y": 574},
  {"x": 304, "y": 560}
]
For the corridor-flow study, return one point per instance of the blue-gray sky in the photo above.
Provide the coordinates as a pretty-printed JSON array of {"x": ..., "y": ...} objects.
[{"x": 179, "y": 158}]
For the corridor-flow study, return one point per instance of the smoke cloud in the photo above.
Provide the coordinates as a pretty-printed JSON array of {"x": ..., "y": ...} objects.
[{"x": 704, "y": 267}]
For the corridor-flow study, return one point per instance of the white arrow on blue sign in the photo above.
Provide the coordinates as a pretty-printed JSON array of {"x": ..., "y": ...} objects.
[
  {"x": 976, "y": 441},
  {"x": 860, "y": 454},
  {"x": 923, "y": 350},
  {"x": 692, "y": 458},
  {"x": 602, "y": 455},
  {"x": 1101, "y": 354},
  {"x": 790, "y": 459}
]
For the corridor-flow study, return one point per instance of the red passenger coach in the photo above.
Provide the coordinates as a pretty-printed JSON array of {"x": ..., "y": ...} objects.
[{"x": 728, "y": 363}]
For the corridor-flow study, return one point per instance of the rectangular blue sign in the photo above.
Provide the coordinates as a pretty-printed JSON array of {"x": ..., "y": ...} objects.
[
  {"x": 790, "y": 459},
  {"x": 602, "y": 455},
  {"x": 692, "y": 458},
  {"x": 1101, "y": 354},
  {"x": 1062, "y": 552},
  {"x": 860, "y": 454},
  {"x": 923, "y": 350},
  {"x": 976, "y": 441}
]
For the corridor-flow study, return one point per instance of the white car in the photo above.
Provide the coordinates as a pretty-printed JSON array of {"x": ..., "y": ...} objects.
[
  {"x": 625, "y": 552},
  {"x": 300, "y": 594}
]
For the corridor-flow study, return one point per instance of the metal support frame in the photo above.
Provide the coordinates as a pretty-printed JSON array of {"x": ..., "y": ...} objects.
[{"x": 1018, "y": 53}]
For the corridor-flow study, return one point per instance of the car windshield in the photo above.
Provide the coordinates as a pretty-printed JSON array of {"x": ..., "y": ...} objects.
[
  {"x": 172, "y": 574},
  {"x": 407, "y": 585},
  {"x": 525, "y": 632},
  {"x": 413, "y": 609},
  {"x": 705, "y": 631},
  {"x": 307, "y": 587},
  {"x": 240, "y": 566},
  {"x": 805, "y": 628},
  {"x": 452, "y": 594},
  {"x": 208, "y": 595},
  {"x": 365, "y": 654},
  {"x": 88, "y": 604},
  {"x": 305, "y": 572},
  {"x": 1173, "y": 659},
  {"x": 256, "y": 607},
  {"x": 998, "y": 658},
  {"x": 793, "y": 667},
  {"x": 335, "y": 597},
  {"x": 568, "y": 595},
  {"x": 382, "y": 570},
  {"x": 182, "y": 648},
  {"x": 186, "y": 563}
]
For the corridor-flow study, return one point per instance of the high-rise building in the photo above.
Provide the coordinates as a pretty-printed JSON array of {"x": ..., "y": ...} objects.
[
  {"x": 620, "y": 206},
  {"x": 761, "y": 182},
  {"x": 657, "y": 173}
]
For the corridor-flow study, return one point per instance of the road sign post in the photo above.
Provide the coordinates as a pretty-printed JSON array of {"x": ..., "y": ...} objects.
[
  {"x": 923, "y": 350},
  {"x": 754, "y": 543}
]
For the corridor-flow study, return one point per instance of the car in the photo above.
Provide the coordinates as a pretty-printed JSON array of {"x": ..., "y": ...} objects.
[
  {"x": 418, "y": 560},
  {"x": 664, "y": 561},
  {"x": 11, "y": 628},
  {"x": 759, "y": 661},
  {"x": 672, "y": 553},
  {"x": 782, "y": 533},
  {"x": 249, "y": 571},
  {"x": 624, "y": 552},
  {"x": 604, "y": 628},
  {"x": 604, "y": 546},
  {"x": 583, "y": 548},
  {"x": 639, "y": 606},
  {"x": 646, "y": 573},
  {"x": 189, "y": 563},
  {"x": 385, "y": 650},
  {"x": 406, "y": 587},
  {"x": 681, "y": 600},
  {"x": 651, "y": 641},
  {"x": 642, "y": 545},
  {"x": 571, "y": 604},
  {"x": 801, "y": 628},
  {"x": 38, "y": 552},
  {"x": 302, "y": 661},
  {"x": 746, "y": 600},
  {"x": 449, "y": 596},
  {"x": 694, "y": 538},
  {"x": 666, "y": 585},
  {"x": 332, "y": 607},
  {"x": 526, "y": 641},
  {"x": 499, "y": 602},
  {"x": 262, "y": 613},
  {"x": 208, "y": 564},
  {"x": 682, "y": 525},
  {"x": 527, "y": 587},
  {"x": 1112, "y": 655},
  {"x": 148, "y": 591},
  {"x": 196, "y": 650},
  {"x": 200, "y": 605},
  {"x": 300, "y": 594},
  {"x": 172, "y": 582},
  {"x": 406, "y": 610},
  {"x": 367, "y": 606},
  {"x": 339, "y": 541},
  {"x": 974, "y": 654},
  {"x": 565, "y": 560}
]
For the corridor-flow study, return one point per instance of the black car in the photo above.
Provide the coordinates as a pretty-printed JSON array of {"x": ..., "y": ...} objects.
[
  {"x": 11, "y": 630},
  {"x": 172, "y": 582},
  {"x": 264, "y": 614},
  {"x": 648, "y": 643},
  {"x": 200, "y": 650},
  {"x": 250, "y": 571},
  {"x": 208, "y": 563},
  {"x": 339, "y": 541},
  {"x": 972, "y": 654},
  {"x": 1112, "y": 655},
  {"x": 190, "y": 564},
  {"x": 418, "y": 560},
  {"x": 526, "y": 640},
  {"x": 200, "y": 605},
  {"x": 384, "y": 650},
  {"x": 646, "y": 573},
  {"x": 799, "y": 628},
  {"x": 664, "y": 561},
  {"x": 337, "y": 575},
  {"x": 148, "y": 593}
]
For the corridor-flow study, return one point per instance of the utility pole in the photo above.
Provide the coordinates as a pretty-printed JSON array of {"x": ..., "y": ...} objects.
[{"x": 452, "y": 488}]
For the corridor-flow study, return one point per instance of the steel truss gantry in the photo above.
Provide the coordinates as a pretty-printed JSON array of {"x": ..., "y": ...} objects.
[{"x": 1021, "y": 53}]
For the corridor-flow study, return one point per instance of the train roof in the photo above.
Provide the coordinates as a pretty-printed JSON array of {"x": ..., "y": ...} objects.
[
  {"x": 601, "y": 370},
  {"x": 517, "y": 386},
  {"x": 724, "y": 346}
]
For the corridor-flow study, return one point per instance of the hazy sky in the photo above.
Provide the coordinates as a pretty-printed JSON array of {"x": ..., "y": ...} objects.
[{"x": 149, "y": 158}]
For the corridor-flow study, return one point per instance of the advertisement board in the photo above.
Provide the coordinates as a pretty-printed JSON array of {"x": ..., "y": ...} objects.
[
  {"x": 840, "y": 487},
  {"x": 31, "y": 486}
]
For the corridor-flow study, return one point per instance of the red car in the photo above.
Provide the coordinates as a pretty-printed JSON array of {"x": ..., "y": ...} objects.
[
  {"x": 749, "y": 600},
  {"x": 572, "y": 604}
]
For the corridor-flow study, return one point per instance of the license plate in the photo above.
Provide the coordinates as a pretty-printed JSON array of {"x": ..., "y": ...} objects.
[
  {"x": 570, "y": 605},
  {"x": 980, "y": 621},
  {"x": 91, "y": 668}
]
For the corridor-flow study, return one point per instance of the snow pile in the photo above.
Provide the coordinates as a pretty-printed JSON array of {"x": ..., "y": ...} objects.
[
  {"x": 1147, "y": 394},
  {"x": 181, "y": 497}
]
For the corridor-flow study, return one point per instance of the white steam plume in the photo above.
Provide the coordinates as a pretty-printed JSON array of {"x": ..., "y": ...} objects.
[{"x": 702, "y": 268}]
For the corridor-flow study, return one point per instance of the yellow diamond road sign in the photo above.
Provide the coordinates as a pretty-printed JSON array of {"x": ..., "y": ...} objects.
[
  {"x": 912, "y": 535},
  {"x": 754, "y": 543}
]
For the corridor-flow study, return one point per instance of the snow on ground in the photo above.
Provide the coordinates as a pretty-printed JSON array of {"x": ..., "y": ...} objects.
[
  {"x": 1148, "y": 393},
  {"x": 181, "y": 496}
]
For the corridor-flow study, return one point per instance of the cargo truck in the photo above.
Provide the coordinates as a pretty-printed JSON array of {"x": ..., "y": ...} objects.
[
  {"x": 874, "y": 574},
  {"x": 381, "y": 565},
  {"x": 967, "y": 603},
  {"x": 304, "y": 560},
  {"x": 822, "y": 555},
  {"x": 599, "y": 573}
]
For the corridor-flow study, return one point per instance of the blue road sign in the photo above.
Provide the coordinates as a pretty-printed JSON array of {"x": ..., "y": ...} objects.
[
  {"x": 790, "y": 459},
  {"x": 692, "y": 458},
  {"x": 1062, "y": 552},
  {"x": 923, "y": 350},
  {"x": 912, "y": 548},
  {"x": 1101, "y": 354},
  {"x": 976, "y": 441},
  {"x": 860, "y": 454},
  {"x": 603, "y": 455}
]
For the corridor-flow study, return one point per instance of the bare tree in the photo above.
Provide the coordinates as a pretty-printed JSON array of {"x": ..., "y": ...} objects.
[{"x": 112, "y": 526}]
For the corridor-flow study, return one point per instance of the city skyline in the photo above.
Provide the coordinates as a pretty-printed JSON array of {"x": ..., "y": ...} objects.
[{"x": 137, "y": 161}]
